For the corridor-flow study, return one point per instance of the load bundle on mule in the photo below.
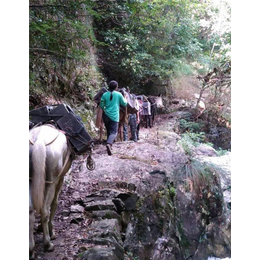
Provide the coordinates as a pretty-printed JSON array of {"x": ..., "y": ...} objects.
[
  {"x": 131, "y": 105},
  {"x": 65, "y": 119},
  {"x": 50, "y": 158},
  {"x": 145, "y": 110},
  {"x": 98, "y": 96},
  {"x": 145, "y": 105},
  {"x": 149, "y": 106},
  {"x": 131, "y": 101}
]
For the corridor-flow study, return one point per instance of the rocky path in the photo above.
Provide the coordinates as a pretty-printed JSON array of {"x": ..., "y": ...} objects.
[
  {"x": 95, "y": 206},
  {"x": 80, "y": 212}
]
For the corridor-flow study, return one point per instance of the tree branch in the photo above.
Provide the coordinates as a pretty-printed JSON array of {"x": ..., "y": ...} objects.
[
  {"x": 44, "y": 51},
  {"x": 44, "y": 6}
]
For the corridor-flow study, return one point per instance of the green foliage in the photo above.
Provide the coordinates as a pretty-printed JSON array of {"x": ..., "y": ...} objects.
[
  {"x": 172, "y": 191},
  {"x": 137, "y": 41},
  {"x": 191, "y": 140},
  {"x": 189, "y": 126},
  {"x": 192, "y": 135},
  {"x": 130, "y": 256},
  {"x": 59, "y": 39},
  {"x": 221, "y": 152},
  {"x": 147, "y": 39}
]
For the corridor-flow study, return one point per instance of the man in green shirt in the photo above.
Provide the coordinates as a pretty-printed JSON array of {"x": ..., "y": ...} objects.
[{"x": 110, "y": 103}]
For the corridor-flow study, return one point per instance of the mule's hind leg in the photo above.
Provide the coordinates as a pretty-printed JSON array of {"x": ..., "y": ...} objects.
[
  {"x": 31, "y": 225},
  {"x": 45, "y": 217},
  {"x": 101, "y": 130},
  {"x": 54, "y": 207},
  {"x": 146, "y": 120}
]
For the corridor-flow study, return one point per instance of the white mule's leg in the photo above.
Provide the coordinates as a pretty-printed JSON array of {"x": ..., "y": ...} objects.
[
  {"x": 45, "y": 218},
  {"x": 54, "y": 207},
  {"x": 31, "y": 226}
]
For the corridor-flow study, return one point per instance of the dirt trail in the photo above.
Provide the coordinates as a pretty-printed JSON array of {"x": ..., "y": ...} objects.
[
  {"x": 134, "y": 166},
  {"x": 71, "y": 227}
]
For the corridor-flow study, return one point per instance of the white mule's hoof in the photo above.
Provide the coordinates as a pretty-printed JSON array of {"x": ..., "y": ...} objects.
[
  {"x": 53, "y": 236},
  {"x": 49, "y": 247},
  {"x": 31, "y": 255}
]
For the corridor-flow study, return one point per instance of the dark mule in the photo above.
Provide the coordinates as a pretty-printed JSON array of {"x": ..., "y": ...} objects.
[
  {"x": 50, "y": 159},
  {"x": 122, "y": 121},
  {"x": 156, "y": 102},
  {"x": 144, "y": 110},
  {"x": 149, "y": 107}
]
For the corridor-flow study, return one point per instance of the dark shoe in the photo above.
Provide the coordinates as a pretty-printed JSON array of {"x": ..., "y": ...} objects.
[{"x": 109, "y": 148}]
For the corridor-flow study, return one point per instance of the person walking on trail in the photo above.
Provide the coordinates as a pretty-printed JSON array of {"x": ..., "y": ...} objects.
[
  {"x": 110, "y": 103},
  {"x": 133, "y": 121}
]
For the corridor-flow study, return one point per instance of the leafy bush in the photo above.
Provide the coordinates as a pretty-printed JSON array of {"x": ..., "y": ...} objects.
[
  {"x": 189, "y": 126},
  {"x": 59, "y": 40},
  {"x": 191, "y": 140},
  {"x": 147, "y": 39},
  {"x": 138, "y": 43}
]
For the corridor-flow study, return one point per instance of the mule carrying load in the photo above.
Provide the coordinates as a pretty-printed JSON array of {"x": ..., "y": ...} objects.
[
  {"x": 63, "y": 118},
  {"x": 145, "y": 104},
  {"x": 56, "y": 135},
  {"x": 131, "y": 104},
  {"x": 131, "y": 108}
]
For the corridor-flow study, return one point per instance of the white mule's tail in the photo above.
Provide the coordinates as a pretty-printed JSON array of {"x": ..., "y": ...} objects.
[{"x": 38, "y": 174}]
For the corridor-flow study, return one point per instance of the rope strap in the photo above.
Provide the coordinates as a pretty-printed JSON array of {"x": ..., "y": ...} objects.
[
  {"x": 49, "y": 142},
  {"x": 64, "y": 165}
]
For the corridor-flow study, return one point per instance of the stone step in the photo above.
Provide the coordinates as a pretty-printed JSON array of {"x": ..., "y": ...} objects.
[
  {"x": 106, "y": 228},
  {"x": 97, "y": 204},
  {"x": 111, "y": 243},
  {"x": 123, "y": 200},
  {"x": 109, "y": 209},
  {"x": 103, "y": 214},
  {"x": 99, "y": 253}
]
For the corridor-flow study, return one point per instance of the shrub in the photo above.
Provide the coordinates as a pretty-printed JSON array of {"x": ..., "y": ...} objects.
[
  {"x": 190, "y": 140},
  {"x": 189, "y": 126}
]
